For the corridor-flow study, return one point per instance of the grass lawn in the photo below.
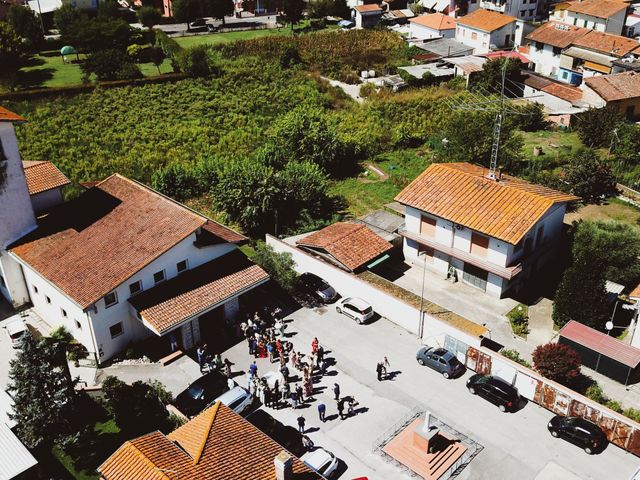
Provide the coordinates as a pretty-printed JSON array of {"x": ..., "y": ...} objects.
[
  {"x": 215, "y": 38},
  {"x": 614, "y": 209},
  {"x": 553, "y": 143}
]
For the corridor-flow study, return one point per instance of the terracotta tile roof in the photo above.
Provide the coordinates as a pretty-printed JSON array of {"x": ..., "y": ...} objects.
[
  {"x": 368, "y": 8},
  {"x": 92, "y": 244},
  {"x": 435, "y": 21},
  {"x": 620, "y": 86},
  {"x": 635, "y": 293},
  {"x": 601, "y": 343},
  {"x": 224, "y": 233},
  {"x": 597, "y": 8},
  {"x": 218, "y": 444},
  {"x": 353, "y": 245},
  {"x": 43, "y": 176},
  {"x": 557, "y": 34},
  {"x": 7, "y": 116},
  {"x": 461, "y": 193},
  {"x": 194, "y": 291},
  {"x": 565, "y": 92},
  {"x": 485, "y": 20},
  {"x": 607, "y": 43}
]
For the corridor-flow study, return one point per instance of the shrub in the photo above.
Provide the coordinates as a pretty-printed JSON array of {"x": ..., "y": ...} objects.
[
  {"x": 632, "y": 413},
  {"x": 615, "y": 406},
  {"x": 519, "y": 320},
  {"x": 514, "y": 356},
  {"x": 110, "y": 64},
  {"x": 367, "y": 89},
  {"x": 278, "y": 265},
  {"x": 595, "y": 393},
  {"x": 557, "y": 362},
  {"x": 195, "y": 61}
]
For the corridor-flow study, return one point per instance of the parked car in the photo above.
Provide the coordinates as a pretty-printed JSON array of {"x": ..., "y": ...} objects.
[
  {"x": 237, "y": 399},
  {"x": 322, "y": 461},
  {"x": 441, "y": 360},
  {"x": 212, "y": 28},
  {"x": 16, "y": 329},
  {"x": 316, "y": 286},
  {"x": 286, "y": 435},
  {"x": 355, "y": 308},
  {"x": 201, "y": 393},
  {"x": 579, "y": 431},
  {"x": 198, "y": 24},
  {"x": 495, "y": 390}
]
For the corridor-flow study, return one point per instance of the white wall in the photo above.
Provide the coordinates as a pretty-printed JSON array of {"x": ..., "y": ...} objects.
[
  {"x": 546, "y": 62},
  {"x": 15, "y": 290},
  {"x": 16, "y": 213},
  {"x": 421, "y": 32},
  {"x": 613, "y": 24},
  {"x": 484, "y": 40},
  {"x": 522, "y": 9},
  {"x": 553, "y": 103},
  {"x": 45, "y": 200}
]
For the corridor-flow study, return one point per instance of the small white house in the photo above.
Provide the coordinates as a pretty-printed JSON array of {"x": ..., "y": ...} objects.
[
  {"x": 521, "y": 9},
  {"x": 491, "y": 233},
  {"x": 432, "y": 25},
  {"x": 484, "y": 30},
  {"x": 45, "y": 183},
  {"x": 366, "y": 16},
  {"x": 601, "y": 15}
]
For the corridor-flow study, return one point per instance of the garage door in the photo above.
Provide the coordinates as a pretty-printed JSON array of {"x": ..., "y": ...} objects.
[{"x": 475, "y": 276}]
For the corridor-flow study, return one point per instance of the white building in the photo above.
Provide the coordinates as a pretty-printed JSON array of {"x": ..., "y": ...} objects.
[
  {"x": 601, "y": 15},
  {"x": 490, "y": 233},
  {"x": 366, "y": 16},
  {"x": 118, "y": 264},
  {"x": 432, "y": 25},
  {"x": 484, "y": 31},
  {"x": 45, "y": 183},
  {"x": 547, "y": 43},
  {"x": 521, "y": 9}
]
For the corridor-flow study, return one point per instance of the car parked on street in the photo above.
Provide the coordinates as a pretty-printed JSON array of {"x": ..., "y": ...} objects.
[
  {"x": 201, "y": 393},
  {"x": 579, "y": 431},
  {"x": 355, "y": 308},
  {"x": 495, "y": 390},
  {"x": 198, "y": 24},
  {"x": 316, "y": 286},
  {"x": 16, "y": 329},
  {"x": 237, "y": 399},
  {"x": 441, "y": 360},
  {"x": 322, "y": 461}
]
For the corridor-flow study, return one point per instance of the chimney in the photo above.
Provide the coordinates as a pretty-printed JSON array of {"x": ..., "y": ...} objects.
[
  {"x": 284, "y": 466},
  {"x": 427, "y": 421}
]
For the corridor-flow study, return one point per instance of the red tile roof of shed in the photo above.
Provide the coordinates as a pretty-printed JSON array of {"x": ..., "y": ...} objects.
[
  {"x": 601, "y": 343},
  {"x": 7, "y": 116},
  {"x": 43, "y": 176}
]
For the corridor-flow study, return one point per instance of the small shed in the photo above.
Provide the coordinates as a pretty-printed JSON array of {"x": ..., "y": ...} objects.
[{"x": 600, "y": 352}]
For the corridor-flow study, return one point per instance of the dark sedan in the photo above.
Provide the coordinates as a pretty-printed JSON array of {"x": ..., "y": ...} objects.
[
  {"x": 580, "y": 432},
  {"x": 201, "y": 393},
  {"x": 495, "y": 390},
  {"x": 316, "y": 286},
  {"x": 441, "y": 360}
]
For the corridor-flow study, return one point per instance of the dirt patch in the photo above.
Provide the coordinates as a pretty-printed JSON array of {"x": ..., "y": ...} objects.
[{"x": 613, "y": 210}]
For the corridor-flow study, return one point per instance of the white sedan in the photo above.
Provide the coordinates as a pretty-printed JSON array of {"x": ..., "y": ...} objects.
[
  {"x": 237, "y": 399},
  {"x": 322, "y": 461},
  {"x": 355, "y": 308}
]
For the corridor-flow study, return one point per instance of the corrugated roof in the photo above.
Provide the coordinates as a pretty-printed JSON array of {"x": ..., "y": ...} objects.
[
  {"x": 218, "y": 444},
  {"x": 7, "y": 116},
  {"x": 194, "y": 291},
  {"x": 597, "y": 8},
  {"x": 461, "y": 193},
  {"x": 601, "y": 343},
  {"x": 14, "y": 456},
  {"x": 435, "y": 21},
  {"x": 42, "y": 176},
  {"x": 620, "y": 86},
  {"x": 350, "y": 244},
  {"x": 486, "y": 20}
]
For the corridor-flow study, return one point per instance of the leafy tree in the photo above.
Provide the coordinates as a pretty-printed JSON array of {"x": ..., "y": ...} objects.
[
  {"x": 319, "y": 8},
  {"x": 108, "y": 9},
  {"x": 26, "y": 24},
  {"x": 65, "y": 18},
  {"x": 138, "y": 408},
  {"x": 292, "y": 11},
  {"x": 589, "y": 177},
  {"x": 627, "y": 152},
  {"x": 156, "y": 55},
  {"x": 490, "y": 77},
  {"x": 185, "y": 11},
  {"x": 280, "y": 266},
  {"x": 303, "y": 188},
  {"x": 469, "y": 137},
  {"x": 100, "y": 34},
  {"x": 532, "y": 118},
  {"x": 581, "y": 296},
  {"x": 196, "y": 61},
  {"x": 219, "y": 9},
  {"x": 595, "y": 126},
  {"x": 176, "y": 181},
  {"x": 340, "y": 9},
  {"x": 43, "y": 394},
  {"x": 557, "y": 362},
  {"x": 110, "y": 64},
  {"x": 12, "y": 54},
  {"x": 149, "y": 17}
]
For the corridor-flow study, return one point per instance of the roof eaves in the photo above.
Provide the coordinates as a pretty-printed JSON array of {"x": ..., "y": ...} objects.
[
  {"x": 196, "y": 459},
  {"x": 142, "y": 456}
]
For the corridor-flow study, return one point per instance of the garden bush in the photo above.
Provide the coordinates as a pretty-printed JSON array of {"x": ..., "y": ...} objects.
[
  {"x": 557, "y": 362},
  {"x": 514, "y": 356},
  {"x": 519, "y": 320}
]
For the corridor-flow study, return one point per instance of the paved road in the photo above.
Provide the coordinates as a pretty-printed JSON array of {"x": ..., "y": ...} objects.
[{"x": 516, "y": 446}]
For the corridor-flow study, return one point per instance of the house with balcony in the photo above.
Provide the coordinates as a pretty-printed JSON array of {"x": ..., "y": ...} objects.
[
  {"x": 484, "y": 30},
  {"x": 491, "y": 232},
  {"x": 520, "y": 9},
  {"x": 601, "y": 15},
  {"x": 118, "y": 264}
]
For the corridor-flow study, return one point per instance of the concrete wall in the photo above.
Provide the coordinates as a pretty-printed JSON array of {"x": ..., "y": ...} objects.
[
  {"x": 613, "y": 24},
  {"x": 483, "y": 40},
  {"x": 422, "y": 32},
  {"x": 45, "y": 200},
  {"x": 551, "y": 102},
  {"x": 522, "y": 9},
  {"x": 546, "y": 62},
  {"x": 385, "y": 304}
]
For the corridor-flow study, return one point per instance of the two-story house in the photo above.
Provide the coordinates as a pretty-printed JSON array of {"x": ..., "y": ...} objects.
[
  {"x": 521, "y": 9},
  {"x": 601, "y": 15},
  {"x": 484, "y": 30},
  {"x": 491, "y": 233},
  {"x": 118, "y": 264}
]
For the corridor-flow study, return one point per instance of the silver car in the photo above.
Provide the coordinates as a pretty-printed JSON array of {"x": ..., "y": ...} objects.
[
  {"x": 441, "y": 360},
  {"x": 355, "y": 308},
  {"x": 322, "y": 461}
]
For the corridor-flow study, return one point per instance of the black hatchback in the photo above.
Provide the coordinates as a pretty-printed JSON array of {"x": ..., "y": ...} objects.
[
  {"x": 580, "y": 432},
  {"x": 495, "y": 390},
  {"x": 197, "y": 396}
]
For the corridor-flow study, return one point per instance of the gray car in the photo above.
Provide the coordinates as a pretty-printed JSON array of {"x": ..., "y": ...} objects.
[{"x": 441, "y": 360}]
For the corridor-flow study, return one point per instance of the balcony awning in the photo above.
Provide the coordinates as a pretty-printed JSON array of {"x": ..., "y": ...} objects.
[{"x": 503, "y": 272}]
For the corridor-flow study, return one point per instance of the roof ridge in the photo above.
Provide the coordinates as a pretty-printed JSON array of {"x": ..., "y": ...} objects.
[
  {"x": 213, "y": 414},
  {"x": 141, "y": 456},
  {"x": 357, "y": 226}
]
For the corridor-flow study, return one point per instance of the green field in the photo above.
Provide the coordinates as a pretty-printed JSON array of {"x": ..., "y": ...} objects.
[{"x": 215, "y": 38}]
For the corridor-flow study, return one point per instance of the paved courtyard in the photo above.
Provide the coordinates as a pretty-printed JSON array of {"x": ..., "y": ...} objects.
[{"x": 516, "y": 446}]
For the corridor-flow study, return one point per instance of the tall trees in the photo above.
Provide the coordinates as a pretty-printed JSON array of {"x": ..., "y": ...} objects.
[
  {"x": 185, "y": 11},
  {"x": 149, "y": 17},
  {"x": 589, "y": 177},
  {"x": 490, "y": 77},
  {"x": 292, "y": 11},
  {"x": 595, "y": 126},
  {"x": 12, "y": 53},
  {"x": 26, "y": 24},
  {"x": 220, "y": 9},
  {"x": 65, "y": 17},
  {"x": 279, "y": 266}
]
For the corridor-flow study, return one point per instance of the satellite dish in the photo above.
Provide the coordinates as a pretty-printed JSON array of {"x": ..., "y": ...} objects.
[{"x": 608, "y": 325}]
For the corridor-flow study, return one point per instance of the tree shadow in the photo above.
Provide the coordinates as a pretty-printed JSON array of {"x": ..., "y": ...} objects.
[{"x": 35, "y": 78}]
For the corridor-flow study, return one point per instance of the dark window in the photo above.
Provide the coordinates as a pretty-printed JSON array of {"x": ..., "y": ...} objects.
[
  {"x": 78, "y": 325},
  {"x": 158, "y": 276},
  {"x": 2, "y": 283},
  {"x": 64, "y": 312},
  {"x": 110, "y": 299},
  {"x": 557, "y": 51},
  {"x": 47, "y": 299},
  {"x": 182, "y": 266},
  {"x": 116, "y": 330},
  {"x": 135, "y": 287},
  {"x": 35, "y": 289}
]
